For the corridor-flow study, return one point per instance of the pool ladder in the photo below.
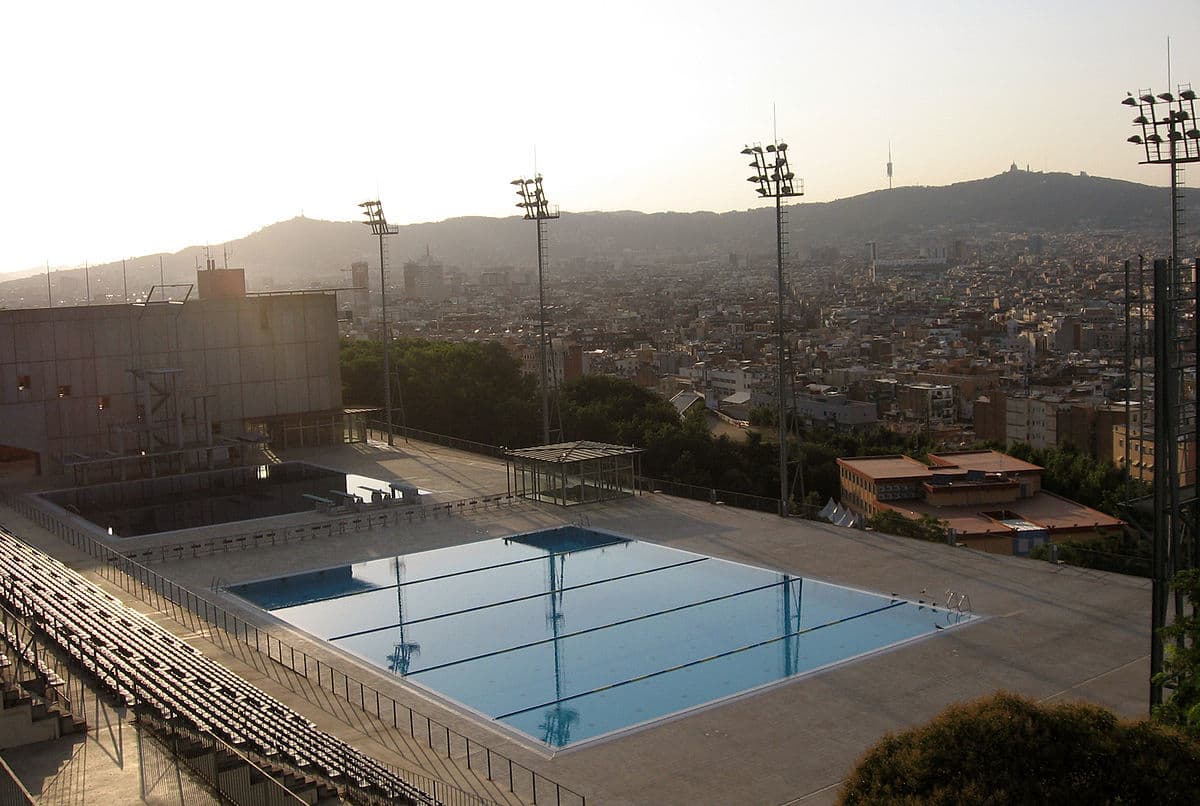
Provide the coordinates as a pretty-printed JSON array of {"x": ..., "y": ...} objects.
[{"x": 959, "y": 604}]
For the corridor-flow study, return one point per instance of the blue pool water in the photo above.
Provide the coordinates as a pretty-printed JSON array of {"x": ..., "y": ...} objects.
[{"x": 568, "y": 634}]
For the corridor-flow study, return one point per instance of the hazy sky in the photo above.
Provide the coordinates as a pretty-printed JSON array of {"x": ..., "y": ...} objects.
[{"x": 130, "y": 128}]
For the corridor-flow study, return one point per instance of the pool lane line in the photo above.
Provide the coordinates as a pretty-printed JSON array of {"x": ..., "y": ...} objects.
[
  {"x": 520, "y": 598},
  {"x": 586, "y": 630},
  {"x": 537, "y": 559},
  {"x": 718, "y": 656}
]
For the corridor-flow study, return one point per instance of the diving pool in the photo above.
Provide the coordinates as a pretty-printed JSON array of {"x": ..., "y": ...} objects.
[{"x": 568, "y": 634}]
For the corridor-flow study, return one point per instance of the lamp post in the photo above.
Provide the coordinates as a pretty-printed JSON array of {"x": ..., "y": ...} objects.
[
  {"x": 775, "y": 180},
  {"x": 1168, "y": 135},
  {"x": 537, "y": 209},
  {"x": 376, "y": 220}
]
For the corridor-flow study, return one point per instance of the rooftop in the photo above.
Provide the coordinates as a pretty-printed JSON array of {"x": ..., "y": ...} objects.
[
  {"x": 578, "y": 451},
  {"x": 986, "y": 461},
  {"x": 881, "y": 468}
]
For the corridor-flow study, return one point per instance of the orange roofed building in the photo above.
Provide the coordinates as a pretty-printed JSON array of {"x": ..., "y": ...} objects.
[{"x": 988, "y": 500}]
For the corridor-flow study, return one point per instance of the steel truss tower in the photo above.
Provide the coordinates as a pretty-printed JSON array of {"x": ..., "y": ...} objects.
[
  {"x": 775, "y": 179},
  {"x": 1169, "y": 136}
]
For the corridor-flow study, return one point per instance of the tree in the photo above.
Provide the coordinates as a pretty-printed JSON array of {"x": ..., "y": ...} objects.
[
  {"x": 1181, "y": 666},
  {"x": 1007, "y": 749},
  {"x": 472, "y": 390},
  {"x": 892, "y": 522}
]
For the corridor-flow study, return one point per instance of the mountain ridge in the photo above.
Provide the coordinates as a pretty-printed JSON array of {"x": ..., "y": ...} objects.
[{"x": 304, "y": 251}]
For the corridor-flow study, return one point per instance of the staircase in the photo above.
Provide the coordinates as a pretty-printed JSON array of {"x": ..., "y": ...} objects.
[
  {"x": 27, "y": 716},
  {"x": 239, "y": 780}
]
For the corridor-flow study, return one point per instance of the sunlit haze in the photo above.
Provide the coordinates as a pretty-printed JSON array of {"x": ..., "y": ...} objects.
[{"x": 133, "y": 128}]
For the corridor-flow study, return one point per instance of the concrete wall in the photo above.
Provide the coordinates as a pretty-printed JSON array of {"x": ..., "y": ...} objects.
[{"x": 260, "y": 356}]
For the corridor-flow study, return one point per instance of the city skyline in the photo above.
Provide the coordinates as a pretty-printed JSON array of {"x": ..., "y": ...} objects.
[{"x": 142, "y": 130}]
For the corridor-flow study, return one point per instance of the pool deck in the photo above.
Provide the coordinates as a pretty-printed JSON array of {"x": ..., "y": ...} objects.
[{"x": 1051, "y": 632}]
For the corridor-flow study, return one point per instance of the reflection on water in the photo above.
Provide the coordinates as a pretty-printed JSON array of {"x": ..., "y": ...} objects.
[{"x": 568, "y": 634}]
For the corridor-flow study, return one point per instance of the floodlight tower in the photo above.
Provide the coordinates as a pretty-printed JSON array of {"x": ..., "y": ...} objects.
[
  {"x": 376, "y": 220},
  {"x": 1168, "y": 135},
  {"x": 776, "y": 180},
  {"x": 537, "y": 209}
]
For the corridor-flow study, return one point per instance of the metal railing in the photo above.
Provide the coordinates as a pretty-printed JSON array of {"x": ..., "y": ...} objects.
[
  {"x": 31, "y": 654},
  {"x": 726, "y": 497},
  {"x": 378, "y": 432},
  {"x": 12, "y": 791},
  {"x": 367, "y": 517},
  {"x": 22, "y": 638},
  {"x": 238, "y": 789},
  {"x": 186, "y": 606}
]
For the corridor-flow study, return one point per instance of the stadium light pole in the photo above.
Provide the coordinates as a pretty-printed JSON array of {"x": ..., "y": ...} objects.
[
  {"x": 774, "y": 179},
  {"x": 1168, "y": 135},
  {"x": 376, "y": 220},
  {"x": 537, "y": 209}
]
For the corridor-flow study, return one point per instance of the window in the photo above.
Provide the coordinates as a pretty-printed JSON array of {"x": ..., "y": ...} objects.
[{"x": 64, "y": 390}]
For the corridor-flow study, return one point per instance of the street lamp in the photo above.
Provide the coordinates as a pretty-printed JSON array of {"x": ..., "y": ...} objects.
[
  {"x": 376, "y": 220},
  {"x": 774, "y": 179},
  {"x": 1167, "y": 134},
  {"x": 533, "y": 202}
]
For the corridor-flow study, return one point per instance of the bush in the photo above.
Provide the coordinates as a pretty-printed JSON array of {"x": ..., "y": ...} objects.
[{"x": 1007, "y": 749}]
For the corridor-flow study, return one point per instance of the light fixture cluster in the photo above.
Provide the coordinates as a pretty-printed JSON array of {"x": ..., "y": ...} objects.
[
  {"x": 533, "y": 199},
  {"x": 376, "y": 220},
  {"x": 1168, "y": 125},
  {"x": 772, "y": 174}
]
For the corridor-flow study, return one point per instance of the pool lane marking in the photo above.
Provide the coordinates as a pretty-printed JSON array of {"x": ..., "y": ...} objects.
[
  {"x": 719, "y": 655},
  {"x": 520, "y": 598},
  {"x": 540, "y": 558},
  {"x": 586, "y": 630}
]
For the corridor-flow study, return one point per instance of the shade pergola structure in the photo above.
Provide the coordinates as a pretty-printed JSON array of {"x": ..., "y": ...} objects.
[
  {"x": 347, "y": 424},
  {"x": 571, "y": 473}
]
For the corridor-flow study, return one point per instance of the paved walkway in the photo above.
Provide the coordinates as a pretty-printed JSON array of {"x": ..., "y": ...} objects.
[{"x": 1050, "y": 632}]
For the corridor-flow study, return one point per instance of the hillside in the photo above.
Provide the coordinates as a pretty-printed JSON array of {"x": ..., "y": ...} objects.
[{"x": 303, "y": 251}]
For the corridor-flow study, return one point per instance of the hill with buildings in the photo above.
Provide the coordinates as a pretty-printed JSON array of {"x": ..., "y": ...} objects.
[{"x": 302, "y": 251}]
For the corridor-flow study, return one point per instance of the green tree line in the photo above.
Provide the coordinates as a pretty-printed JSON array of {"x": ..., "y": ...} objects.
[{"x": 477, "y": 391}]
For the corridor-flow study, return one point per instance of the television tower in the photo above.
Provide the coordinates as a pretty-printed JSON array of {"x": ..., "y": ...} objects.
[{"x": 889, "y": 165}]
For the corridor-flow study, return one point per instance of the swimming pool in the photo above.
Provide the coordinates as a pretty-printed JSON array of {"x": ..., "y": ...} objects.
[
  {"x": 569, "y": 634},
  {"x": 151, "y": 506}
]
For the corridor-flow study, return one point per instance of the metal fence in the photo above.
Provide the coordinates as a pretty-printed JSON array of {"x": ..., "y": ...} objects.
[
  {"x": 186, "y": 607},
  {"x": 234, "y": 783},
  {"x": 726, "y": 497},
  {"x": 12, "y": 791},
  {"x": 378, "y": 431},
  {"x": 364, "y": 518}
]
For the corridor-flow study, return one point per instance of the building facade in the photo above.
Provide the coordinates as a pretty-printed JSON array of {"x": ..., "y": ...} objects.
[{"x": 108, "y": 382}]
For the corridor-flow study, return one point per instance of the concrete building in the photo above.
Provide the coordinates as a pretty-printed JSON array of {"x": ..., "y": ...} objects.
[
  {"x": 163, "y": 386},
  {"x": 425, "y": 279},
  {"x": 1089, "y": 428},
  {"x": 930, "y": 403},
  {"x": 986, "y": 499},
  {"x": 1141, "y": 455},
  {"x": 1032, "y": 420},
  {"x": 835, "y": 410}
]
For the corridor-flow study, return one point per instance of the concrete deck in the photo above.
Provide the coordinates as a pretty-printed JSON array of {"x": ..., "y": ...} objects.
[{"x": 1051, "y": 632}]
